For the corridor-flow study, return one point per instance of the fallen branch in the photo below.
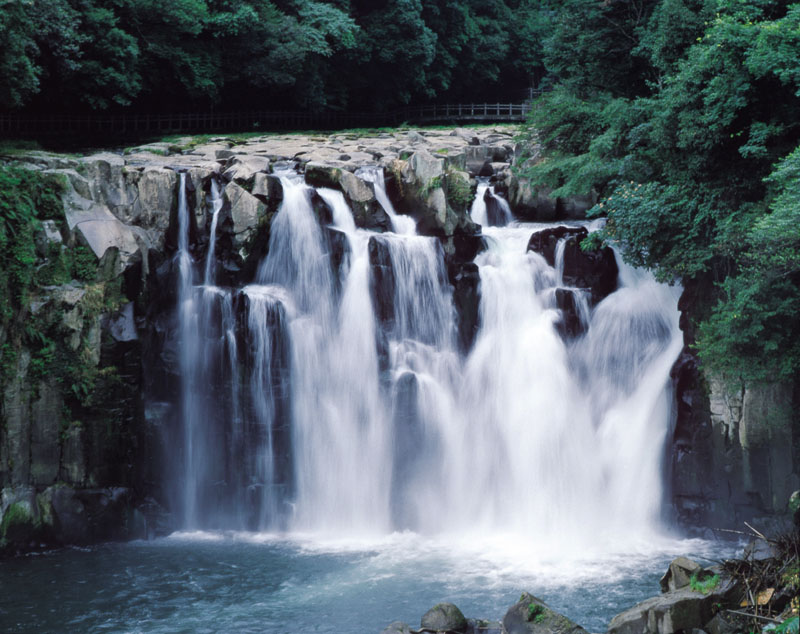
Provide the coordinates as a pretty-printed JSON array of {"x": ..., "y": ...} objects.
[
  {"x": 759, "y": 534},
  {"x": 754, "y": 616}
]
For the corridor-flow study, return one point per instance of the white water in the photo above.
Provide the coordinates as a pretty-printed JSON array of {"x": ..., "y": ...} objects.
[
  {"x": 216, "y": 206},
  {"x": 558, "y": 445},
  {"x": 479, "y": 212},
  {"x": 400, "y": 224}
]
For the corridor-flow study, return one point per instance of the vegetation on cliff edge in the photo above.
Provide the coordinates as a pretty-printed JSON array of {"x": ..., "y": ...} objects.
[{"x": 683, "y": 115}]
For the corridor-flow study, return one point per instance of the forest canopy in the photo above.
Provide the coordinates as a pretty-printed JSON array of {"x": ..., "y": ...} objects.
[
  {"x": 681, "y": 116},
  {"x": 144, "y": 55}
]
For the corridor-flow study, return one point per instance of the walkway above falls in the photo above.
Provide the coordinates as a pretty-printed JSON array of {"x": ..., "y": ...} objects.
[{"x": 140, "y": 125}]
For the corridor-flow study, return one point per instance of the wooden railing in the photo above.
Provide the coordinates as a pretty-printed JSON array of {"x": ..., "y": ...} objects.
[{"x": 137, "y": 125}]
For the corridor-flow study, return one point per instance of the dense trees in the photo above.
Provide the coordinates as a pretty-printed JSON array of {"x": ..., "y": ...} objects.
[
  {"x": 316, "y": 54},
  {"x": 684, "y": 115}
]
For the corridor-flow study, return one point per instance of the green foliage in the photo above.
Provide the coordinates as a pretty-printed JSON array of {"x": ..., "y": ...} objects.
[
  {"x": 311, "y": 54},
  {"x": 16, "y": 515},
  {"x": 23, "y": 194},
  {"x": 789, "y": 626},
  {"x": 535, "y": 612},
  {"x": 692, "y": 148},
  {"x": 703, "y": 582},
  {"x": 459, "y": 191}
]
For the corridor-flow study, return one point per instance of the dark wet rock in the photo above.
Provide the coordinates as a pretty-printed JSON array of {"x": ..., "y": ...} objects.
[
  {"x": 443, "y": 617},
  {"x": 494, "y": 211},
  {"x": 321, "y": 175},
  {"x": 544, "y": 242},
  {"x": 466, "y": 298},
  {"x": 482, "y": 626},
  {"x": 594, "y": 269},
  {"x": 268, "y": 189},
  {"x": 570, "y": 325},
  {"x": 339, "y": 249},
  {"x": 382, "y": 282},
  {"x": 466, "y": 247},
  {"x": 398, "y": 627},
  {"x": 532, "y": 616},
  {"x": 724, "y": 622}
]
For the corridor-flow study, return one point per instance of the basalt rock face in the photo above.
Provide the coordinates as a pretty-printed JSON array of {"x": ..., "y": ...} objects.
[{"x": 735, "y": 452}]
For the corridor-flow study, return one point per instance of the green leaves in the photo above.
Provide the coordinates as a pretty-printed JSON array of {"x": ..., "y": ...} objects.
[{"x": 697, "y": 166}]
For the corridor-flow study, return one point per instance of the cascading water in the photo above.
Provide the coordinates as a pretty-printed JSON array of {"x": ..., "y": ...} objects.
[
  {"x": 361, "y": 413},
  {"x": 488, "y": 209},
  {"x": 216, "y": 207},
  {"x": 400, "y": 224}
]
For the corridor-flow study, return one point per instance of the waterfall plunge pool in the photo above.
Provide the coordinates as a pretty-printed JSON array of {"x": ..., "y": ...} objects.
[{"x": 257, "y": 582}]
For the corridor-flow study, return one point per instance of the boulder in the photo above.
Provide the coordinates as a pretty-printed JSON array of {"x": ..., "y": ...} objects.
[
  {"x": 425, "y": 168},
  {"x": 197, "y": 184},
  {"x": 679, "y": 574},
  {"x": 397, "y": 627},
  {"x": 247, "y": 212},
  {"x": 456, "y": 161},
  {"x": 96, "y": 227},
  {"x": 476, "y": 157},
  {"x": 415, "y": 138},
  {"x": 20, "y": 519},
  {"x": 532, "y": 616},
  {"x": 544, "y": 242},
  {"x": 323, "y": 175},
  {"x": 482, "y": 626},
  {"x": 157, "y": 190},
  {"x": 595, "y": 269},
  {"x": 416, "y": 187},
  {"x": 468, "y": 135},
  {"x": 268, "y": 189},
  {"x": 242, "y": 170},
  {"x": 443, "y": 617},
  {"x": 673, "y": 612},
  {"x": 459, "y": 191},
  {"x": 367, "y": 212}
]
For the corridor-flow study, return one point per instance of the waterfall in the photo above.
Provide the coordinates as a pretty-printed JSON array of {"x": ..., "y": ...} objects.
[
  {"x": 216, "y": 206},
  {"x": 349, "y": 408},
  {"x": 188, "y": 362},
  {"x": 488, "y": 209},
  {"x": 400, "y": 224}
]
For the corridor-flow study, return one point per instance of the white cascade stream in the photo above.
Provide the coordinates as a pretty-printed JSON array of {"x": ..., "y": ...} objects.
[{"x": 368, "y": 419}]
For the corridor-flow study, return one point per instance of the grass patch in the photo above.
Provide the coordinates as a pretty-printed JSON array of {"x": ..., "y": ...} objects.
[
  {"x": 535, "y": 612},
  {"x": 703, "y": 583}
]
